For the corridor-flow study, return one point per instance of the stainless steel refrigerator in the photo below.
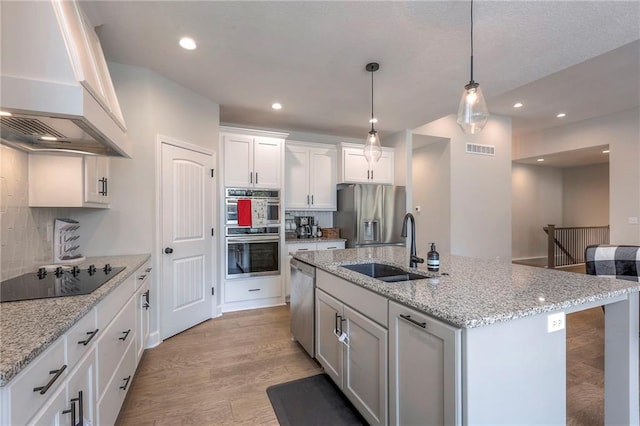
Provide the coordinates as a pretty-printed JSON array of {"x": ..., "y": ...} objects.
[{"x": 371, "y": 214}]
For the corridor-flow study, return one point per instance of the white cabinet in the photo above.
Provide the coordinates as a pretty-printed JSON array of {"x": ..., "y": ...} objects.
[
  {"x": 310, "y": 177},
  {"x": 81, "y": 391},
  {"x": 424, "y": 369},
  {"x": 67, "y": 181},
  {"x": 353, "y": 351},
  {"x": 143, "y": 304},
  {"x": 252, "y": 161},
  {"x": 354, "y": 167},
  {"x": 351, "y": 343}
]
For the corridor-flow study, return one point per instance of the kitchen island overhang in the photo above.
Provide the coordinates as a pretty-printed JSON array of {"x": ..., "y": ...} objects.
[{"x": 513, "y": 367}]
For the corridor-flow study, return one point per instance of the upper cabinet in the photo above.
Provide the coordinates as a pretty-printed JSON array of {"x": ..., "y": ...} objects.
[
  {"x": 354, "y": 167},
  {"x": 252, "y": 159},
  {"x": 68, "y": 181},
  {"x": 310, "y": 176}
]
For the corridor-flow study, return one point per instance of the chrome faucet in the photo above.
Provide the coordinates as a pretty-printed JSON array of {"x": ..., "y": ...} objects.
[{"x": 413, "y": 260}]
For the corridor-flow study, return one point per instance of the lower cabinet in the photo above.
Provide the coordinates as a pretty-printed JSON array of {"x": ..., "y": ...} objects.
[
  {"x": 353, "y": 351},
  {"x": 424, "y": 369}
]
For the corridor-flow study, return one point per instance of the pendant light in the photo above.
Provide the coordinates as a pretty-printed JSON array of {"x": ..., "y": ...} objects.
[
  {"x": 472, "y": 113},
  {"x": 372, "y": 148}
]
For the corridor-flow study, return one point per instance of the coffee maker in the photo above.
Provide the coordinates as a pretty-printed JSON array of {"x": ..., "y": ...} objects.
[{"x": 303, "y": 226}]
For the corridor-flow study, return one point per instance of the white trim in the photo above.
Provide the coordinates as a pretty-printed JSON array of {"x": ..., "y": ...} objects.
[
  {"x": 253, "y": 132},
  {"x": 155, "y": 338}
]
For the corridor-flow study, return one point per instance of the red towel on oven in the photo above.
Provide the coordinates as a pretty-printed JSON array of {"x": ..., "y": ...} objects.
[{"x": 244, "y": 212}]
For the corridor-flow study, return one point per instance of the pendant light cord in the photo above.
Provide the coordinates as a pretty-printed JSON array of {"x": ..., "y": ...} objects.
[
  {"x": 372, "y": 129},
  {"x": 471, "y": 41}
]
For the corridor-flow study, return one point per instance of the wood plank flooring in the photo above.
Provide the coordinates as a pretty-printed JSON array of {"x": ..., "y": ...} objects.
[{"x": 217, "y": 372}]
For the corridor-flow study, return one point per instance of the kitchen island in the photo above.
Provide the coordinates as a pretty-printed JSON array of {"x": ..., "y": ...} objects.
[{"x": 510, "y": 356}]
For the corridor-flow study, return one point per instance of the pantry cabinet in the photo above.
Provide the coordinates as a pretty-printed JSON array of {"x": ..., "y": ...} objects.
[
  {"x": 354, "y": 167},
  {"x": 310, "y": 176},
  {"x": 424, "y": 369},
  {"x": 253, "y": 159},
  {"x": 68, "y": 181},
  {"x": 352, "y": 346}
]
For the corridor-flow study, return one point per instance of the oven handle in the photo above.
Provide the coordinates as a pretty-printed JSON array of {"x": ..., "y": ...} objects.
[{"x": 256, "y": 239}]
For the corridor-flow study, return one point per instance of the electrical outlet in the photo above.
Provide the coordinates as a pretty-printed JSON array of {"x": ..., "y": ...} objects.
[{"x": 555, "y": 322}]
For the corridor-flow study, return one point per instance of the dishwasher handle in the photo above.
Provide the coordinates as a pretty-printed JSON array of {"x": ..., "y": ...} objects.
[{"x": 304, "y": 268}]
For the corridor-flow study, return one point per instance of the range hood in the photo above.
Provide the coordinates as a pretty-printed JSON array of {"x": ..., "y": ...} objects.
[{"x": 57, "y": 94}]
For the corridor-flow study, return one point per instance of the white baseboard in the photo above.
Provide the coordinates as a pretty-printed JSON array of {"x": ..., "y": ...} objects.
[
  {"x": 253, "y": 304},
  {"x": 153, "y": 340}
]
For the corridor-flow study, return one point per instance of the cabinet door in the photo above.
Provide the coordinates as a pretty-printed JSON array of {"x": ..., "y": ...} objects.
[
  {"x": 81, "y": 387},
  {"x": 355, "y": 167},
  {"x": 328, "y": 347},
  {"x": 296, "y": 178},
  {"x": 382, "y": 171},
  {"x": 142, "y": 318},
  {"x": 238, "y": 161},
  {"x": 96, "y": 179},
  {"x": 365, "y": 367},
  {"x": 424, "y": 374},
  {"x": 267, "y": 163},
  {"x": 52, "y": 414},
  {"x": 322, "y": 179}
]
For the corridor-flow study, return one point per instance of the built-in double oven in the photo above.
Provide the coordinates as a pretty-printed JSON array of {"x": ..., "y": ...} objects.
[{"x": 252, "y": 251}]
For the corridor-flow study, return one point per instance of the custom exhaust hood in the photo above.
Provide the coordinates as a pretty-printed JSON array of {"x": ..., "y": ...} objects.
[{"x": 56, "y": 92}]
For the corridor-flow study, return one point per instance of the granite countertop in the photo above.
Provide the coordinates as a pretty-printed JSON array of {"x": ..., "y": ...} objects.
[
  {"x": 312, "y": 240},
  {"x": 469, "y": 292},
  {"x": 28, "y": 327}
]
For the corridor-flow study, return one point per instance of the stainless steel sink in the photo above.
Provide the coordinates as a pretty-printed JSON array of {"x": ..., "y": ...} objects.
[{"x": 382, "y": 272}]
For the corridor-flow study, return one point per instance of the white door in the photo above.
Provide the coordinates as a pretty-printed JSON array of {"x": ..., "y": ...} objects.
[
  {"x": 188, "y": 244},
  {"x": 238, "y": 161},
  {"x": 355, "y": 166}
]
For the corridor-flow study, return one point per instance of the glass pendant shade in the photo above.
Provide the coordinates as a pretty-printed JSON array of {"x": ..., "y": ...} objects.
[
  {"x": 372, "y": 148},
  {"x": 472, "y": 113}
]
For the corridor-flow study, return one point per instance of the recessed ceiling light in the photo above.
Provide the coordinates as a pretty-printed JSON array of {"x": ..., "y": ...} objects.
[
  {"x": 606, "y": 151},
  {"x": 561, "y": 115},
  {"x": 540, "y": 160},
  {"x": 5, "y": 114},
  {"x": 276, "y": 105},
  {"x": 373, "y": 120},
  {"x": 517, "y": 105},
  {"x": 188, "y": 43},
  {"x": 48, "y": 138}
]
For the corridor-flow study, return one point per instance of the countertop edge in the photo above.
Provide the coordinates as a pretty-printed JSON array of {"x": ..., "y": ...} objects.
[{"x": 107, "y": 288}]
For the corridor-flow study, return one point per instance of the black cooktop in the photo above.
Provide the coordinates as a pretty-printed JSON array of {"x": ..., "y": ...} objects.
[{"x": 62, "y": 282}]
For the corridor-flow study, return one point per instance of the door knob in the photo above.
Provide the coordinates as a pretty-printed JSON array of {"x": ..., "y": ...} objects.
[{"x": 168, "y": 250}]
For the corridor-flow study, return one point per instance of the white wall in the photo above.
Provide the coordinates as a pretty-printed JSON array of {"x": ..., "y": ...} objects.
[
  {"x": 537, "y": 194},
  {"x": 480, "y": 188},
  {"x": 432, "y": 191},
  {"x": 622, "y": 132},
  {"x": 152, "y": 105},
  {"x": 586, "y": 195}
]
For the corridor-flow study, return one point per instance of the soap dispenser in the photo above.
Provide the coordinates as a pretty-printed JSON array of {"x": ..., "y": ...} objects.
[{"x": 433, "y": 259}]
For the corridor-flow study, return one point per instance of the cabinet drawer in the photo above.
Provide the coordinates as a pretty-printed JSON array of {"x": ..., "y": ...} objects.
[
  {"x": 111, "y": 402},
  {"x": 292, "y": 248},
  {"x": 142, "y": 275},
  {"x": 24, "y": 400},
  {"x": 330, "y": 245},
  {"x": 367, "y": 302},
  {"x": 80, "y": 338},
  {"x": 235, "y": 291},
  {"x": 113, "y": 343},
  {"x": 109, "y": 307}
]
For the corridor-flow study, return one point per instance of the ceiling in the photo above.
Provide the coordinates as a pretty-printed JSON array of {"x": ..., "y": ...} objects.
[
  {"x": 574, "y": 158},
  {"x": 582, "y": 58}
]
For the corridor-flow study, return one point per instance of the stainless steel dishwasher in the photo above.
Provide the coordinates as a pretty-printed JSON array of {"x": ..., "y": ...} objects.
[{"x": 303, "y": 283}]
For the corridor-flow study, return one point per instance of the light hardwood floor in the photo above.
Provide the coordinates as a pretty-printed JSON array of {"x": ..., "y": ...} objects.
[{"x": 217, "y": 372}]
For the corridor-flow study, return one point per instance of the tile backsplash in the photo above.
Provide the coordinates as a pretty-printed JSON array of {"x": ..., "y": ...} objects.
[{"x": 25, "y": 233}]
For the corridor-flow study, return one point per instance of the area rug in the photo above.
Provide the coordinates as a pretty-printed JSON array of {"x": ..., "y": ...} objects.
[{"x": 312, "y": 401}]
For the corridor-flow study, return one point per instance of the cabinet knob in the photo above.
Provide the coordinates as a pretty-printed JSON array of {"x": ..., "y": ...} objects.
[{"x": 168, "y": 250}]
